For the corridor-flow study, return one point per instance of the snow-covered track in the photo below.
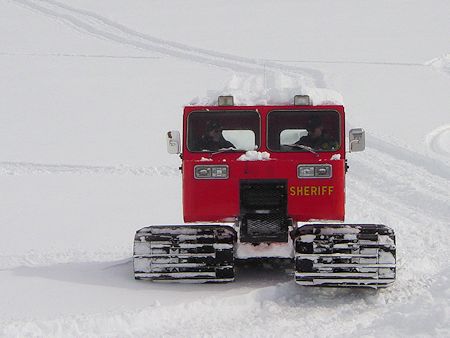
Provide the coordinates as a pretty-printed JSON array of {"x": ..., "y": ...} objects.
[
  {"x": 361, "y": 255},
  {"x": 195, "y": 254}
]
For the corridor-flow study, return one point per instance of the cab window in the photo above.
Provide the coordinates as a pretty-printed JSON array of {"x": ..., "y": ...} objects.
[
  {"x": 298, "y": 131},
  {"x": 211, "y": 131}
]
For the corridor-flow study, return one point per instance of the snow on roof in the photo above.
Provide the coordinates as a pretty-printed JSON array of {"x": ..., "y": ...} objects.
[{"x": 276, "y": 89}]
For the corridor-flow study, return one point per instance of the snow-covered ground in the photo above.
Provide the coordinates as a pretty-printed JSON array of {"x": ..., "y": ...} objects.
[{"x": 87, "y": 90}]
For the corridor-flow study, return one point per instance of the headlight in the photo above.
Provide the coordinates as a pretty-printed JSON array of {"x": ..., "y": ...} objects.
[
  {"x": 211, "y": 171},
  {"x": 314, "y": 171}
]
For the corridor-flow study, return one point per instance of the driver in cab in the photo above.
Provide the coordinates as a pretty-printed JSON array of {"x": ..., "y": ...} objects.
[{"x": 212, "y": 139}]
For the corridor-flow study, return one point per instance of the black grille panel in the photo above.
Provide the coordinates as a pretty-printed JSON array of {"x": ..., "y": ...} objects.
[
  {"x": 263, "y": 195},
  {"x": 259, "y": 225},
  {"x": 263, "y": 211}
]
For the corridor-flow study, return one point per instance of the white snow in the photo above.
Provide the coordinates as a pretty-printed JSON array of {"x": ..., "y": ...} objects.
[
  {"x": 253, "y": 155},
  {"x": 273, "y": 87},
  {"x": 279, "y": 250},
  {"x": 343, "y": 230},
  {"x": 307, "y": 238},
  {"x": 438, "y": 141},
  {"x": 88, "y": 90},
  {"x": 204, "y": 159},
  {"x": 351, "y": 237},
  {"x": 386, "y": 257},
  {"x": 440, "y": 63}
]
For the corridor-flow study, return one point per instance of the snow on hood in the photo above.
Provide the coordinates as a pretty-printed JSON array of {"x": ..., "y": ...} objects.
[
  {"x": 275, "y": 88},
  {"x": 253, "y": 155},
  {"x": 204, "y": 159}
]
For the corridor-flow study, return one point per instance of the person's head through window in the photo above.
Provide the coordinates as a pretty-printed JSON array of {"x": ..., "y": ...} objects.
[
  {"x": 212, "y": 138},
  {"x": 317, "y": 138},
  {"x": 214, "y": 131},
  {"x": 315, "y": 127}
]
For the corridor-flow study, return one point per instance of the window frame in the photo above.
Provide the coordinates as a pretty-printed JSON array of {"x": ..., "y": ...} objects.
[
  {"x": 299, "y": 150},
  {"x": 231, "y": 111}
]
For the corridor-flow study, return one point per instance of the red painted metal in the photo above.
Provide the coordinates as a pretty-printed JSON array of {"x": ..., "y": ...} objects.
[{"x": 308, "y": 199}]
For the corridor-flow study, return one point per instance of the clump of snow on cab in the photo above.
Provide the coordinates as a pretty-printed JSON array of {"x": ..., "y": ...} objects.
[{"x": 253, "y": 155}]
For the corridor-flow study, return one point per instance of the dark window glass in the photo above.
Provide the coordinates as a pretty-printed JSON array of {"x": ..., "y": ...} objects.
[
  {"x": 298, "y": 130},
  {"x": 211, "y": 131}
]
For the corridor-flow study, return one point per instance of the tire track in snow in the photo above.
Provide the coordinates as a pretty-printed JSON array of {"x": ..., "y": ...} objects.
[
  {"x": 403, "y": 181},
  {"x": 383, "y": 190},
  {"x": 27, "y": 168},
  {"x": 101, "y": 27},
  {"x": 421, "y": 223},
  {"x": 378, "y": 63},
  {"x": 87, "y": 56},
  {"x": 437, "y": 138},
  {"x": 413, "y": 223},
  {"x": 421, "y": 161}
]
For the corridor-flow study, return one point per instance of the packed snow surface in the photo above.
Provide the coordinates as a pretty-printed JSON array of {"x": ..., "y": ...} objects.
[{"x": 88, "y": 90}]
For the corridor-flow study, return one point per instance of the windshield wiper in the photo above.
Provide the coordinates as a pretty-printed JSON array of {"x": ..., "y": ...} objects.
[
  {"x": 224, "y": 150},
  {"x": 301, "y": 146}
]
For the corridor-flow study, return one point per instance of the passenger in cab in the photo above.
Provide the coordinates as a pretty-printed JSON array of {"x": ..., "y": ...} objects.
[{"x": 317, "y": 139}]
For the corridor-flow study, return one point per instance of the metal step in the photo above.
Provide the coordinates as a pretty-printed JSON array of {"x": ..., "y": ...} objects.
[
  {"x": 185, "y": 253},
  {"x": 345, "y": 255}
]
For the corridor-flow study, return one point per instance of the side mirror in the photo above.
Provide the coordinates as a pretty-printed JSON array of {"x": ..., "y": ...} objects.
[
  {"x": 173, "y": 142},
  {"x": 357, "y": 139}
]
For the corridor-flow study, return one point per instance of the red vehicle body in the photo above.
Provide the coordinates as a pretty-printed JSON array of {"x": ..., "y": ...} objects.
[
  {"x": 252, "y": 175},
  {"x": 307, "y": 199}
]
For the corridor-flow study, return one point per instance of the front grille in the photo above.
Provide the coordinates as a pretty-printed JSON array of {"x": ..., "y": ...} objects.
[
  {"x": 263, "y": 224},
  {"x": 263, "y": 195},
  {"x": 263, "y": 211}
]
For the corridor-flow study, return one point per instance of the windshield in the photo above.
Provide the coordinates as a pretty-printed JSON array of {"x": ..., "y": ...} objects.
[
  {"x": 213, "y": 131},
  {"x": 303, "y": 131}
]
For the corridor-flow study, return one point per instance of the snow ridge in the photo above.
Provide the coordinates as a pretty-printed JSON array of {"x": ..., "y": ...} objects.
[{"x": 26, "y": 168}]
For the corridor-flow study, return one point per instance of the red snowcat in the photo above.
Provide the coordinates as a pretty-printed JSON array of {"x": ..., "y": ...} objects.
[{"x": 256, "y": 180}]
